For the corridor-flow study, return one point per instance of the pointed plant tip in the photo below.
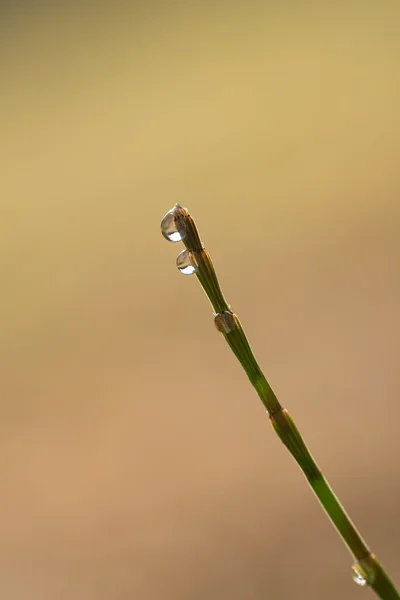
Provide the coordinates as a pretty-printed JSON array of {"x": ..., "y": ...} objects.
[
  {"x": 178, "y": 225},
  {"x": 185, "y": 228}
]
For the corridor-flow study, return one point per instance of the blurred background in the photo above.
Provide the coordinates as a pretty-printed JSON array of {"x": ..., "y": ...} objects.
[{"x": 136, "y": 460}]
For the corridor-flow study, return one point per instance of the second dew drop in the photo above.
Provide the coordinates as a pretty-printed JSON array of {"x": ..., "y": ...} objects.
[{"x": 187, "y": 263}]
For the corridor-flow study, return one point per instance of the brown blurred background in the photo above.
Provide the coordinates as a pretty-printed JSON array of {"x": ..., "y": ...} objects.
[{"x": 136, "y": 460}]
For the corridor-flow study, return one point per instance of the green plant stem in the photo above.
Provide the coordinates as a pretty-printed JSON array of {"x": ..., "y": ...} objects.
[{"x": 228, "y": 323}]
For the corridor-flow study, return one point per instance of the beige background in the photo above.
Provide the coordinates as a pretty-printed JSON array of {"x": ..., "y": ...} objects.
[{"x": 136, "y": 461}]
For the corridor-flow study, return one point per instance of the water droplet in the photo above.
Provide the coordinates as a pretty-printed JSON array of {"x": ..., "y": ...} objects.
[
  {"x": 225, "y": 322},
  {"x": 359, "y": 579},
  {"x": 187, "y": 262},
  {"x": 363, "y": 573},
  {"x": 173, "y": 226}
]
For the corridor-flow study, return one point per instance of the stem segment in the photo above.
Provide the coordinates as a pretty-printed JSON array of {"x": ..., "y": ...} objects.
[{"x": 367, "y": 565}]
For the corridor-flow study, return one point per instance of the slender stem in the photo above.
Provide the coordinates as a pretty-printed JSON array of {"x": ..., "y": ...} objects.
[{"x": 367, "y": 564}]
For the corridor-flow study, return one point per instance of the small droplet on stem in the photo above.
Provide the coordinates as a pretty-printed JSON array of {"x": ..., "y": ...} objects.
[
  {"x": 363, "y": 573},
  {"x": 173, "y": 226},
  {"x": 187, "y": 262},
  {"x": 359, "y": 579},
  {"x": 226, "y": 321}
]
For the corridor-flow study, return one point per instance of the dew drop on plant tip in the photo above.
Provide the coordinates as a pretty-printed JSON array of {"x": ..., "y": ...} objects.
[{"x": 173, "y": 227}]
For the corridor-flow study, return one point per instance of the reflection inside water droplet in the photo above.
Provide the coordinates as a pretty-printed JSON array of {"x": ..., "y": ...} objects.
[
  {"x": 225, "y": 322},
  {"x": 359, "y": 580},
  {"x": 173, "y": 226},
  {"x": 187, "y": 262},
  {"x": 363, "y": 573}
]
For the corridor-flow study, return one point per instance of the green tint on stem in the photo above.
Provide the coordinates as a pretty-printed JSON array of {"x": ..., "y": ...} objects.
[{"x": 368, "y": 570}]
